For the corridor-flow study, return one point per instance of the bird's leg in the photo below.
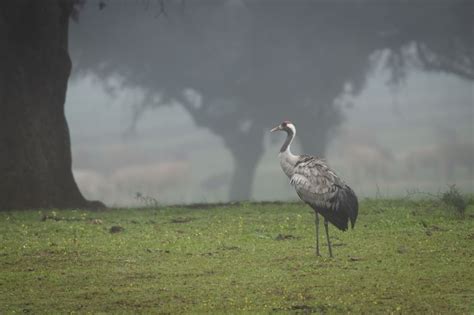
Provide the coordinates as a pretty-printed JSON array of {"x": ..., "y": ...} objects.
[
  {"x": 317, "y": 233},
  {"x": 327, "y": 237}
]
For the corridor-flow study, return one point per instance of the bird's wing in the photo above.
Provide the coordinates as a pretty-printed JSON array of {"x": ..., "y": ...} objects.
[
  {"x": 314, "y": 181},
  {"x": 320, "y": 187}
]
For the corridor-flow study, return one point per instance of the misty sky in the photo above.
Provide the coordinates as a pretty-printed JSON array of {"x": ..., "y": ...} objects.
[
  {"x": 168, "y": 158},
  {"x": 248, "y": 65}
]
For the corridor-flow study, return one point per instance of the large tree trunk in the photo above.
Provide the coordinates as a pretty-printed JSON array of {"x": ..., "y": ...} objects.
[
  {"x": 314, "y": 142},
  {"x": 35, "y": 148},
  {"x": 242, "y": 179},
  {"x": 319, "y": 125},
  {"x": 246, "y": 151}
]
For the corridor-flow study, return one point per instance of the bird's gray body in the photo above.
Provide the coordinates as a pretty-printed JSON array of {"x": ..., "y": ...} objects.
[{"x": 319, "y": 186}]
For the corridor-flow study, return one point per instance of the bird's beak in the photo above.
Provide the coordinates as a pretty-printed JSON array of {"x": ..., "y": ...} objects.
[{"x": 276, "y": 129}]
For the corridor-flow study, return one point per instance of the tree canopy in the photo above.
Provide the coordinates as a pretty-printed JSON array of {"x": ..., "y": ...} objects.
[{"x": 239, "y": 67}]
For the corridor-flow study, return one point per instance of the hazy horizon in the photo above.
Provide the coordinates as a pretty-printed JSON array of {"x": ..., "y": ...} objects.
[
  {"x": 167, "y": 156},
  {"x": 163, "y": 106}
]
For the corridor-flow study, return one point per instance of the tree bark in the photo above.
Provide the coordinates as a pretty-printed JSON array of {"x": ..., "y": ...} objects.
[
  {"x": 319, "y": 126},
  {"x": 35, "y": 148},
  {"x": 242, "y": 178},
  {"x": 246, "y": 151}
]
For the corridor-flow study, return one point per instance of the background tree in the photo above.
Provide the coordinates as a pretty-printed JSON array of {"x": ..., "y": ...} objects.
[
  {"x": 35, "y": 149},
  {"x": 239, "y": 67},
  {"x": 247, "y": 63}
]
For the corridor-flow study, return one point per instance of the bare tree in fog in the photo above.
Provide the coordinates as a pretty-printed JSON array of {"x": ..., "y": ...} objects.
[
  {"x": 240, "y": 66},
  {"x": 247, "y": 63}
]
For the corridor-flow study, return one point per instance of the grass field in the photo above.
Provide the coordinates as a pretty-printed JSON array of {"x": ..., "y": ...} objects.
[{"x": 402, "y": 257}]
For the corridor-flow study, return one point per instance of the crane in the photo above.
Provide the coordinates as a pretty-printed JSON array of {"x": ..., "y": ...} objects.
[{"x": 318, "y": 186}]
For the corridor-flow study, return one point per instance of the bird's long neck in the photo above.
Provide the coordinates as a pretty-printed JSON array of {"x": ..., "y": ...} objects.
[
  {"x": 285, "y": 148},
  {"x": 287, "y": 159}
]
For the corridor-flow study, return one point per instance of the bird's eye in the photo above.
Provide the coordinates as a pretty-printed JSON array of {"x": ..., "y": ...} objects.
[{"x": 284, "y": 124}]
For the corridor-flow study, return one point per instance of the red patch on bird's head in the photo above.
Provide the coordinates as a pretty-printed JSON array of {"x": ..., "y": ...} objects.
[{"x": 285, "y": 122}]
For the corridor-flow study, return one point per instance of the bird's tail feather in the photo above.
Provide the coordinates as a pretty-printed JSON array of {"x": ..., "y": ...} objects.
[
  {"x": 342, "y": 208},
  {"x": 337, "y": 218},
  {"x": 350, "y": 204}
]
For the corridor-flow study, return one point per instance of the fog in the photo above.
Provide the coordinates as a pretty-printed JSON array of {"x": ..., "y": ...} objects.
[{"x": 175, "y": 104}]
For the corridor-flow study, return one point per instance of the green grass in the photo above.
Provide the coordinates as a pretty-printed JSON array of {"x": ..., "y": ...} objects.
[{"x": 403, "y": 257}]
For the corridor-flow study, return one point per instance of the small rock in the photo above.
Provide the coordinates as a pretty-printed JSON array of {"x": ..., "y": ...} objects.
[
  {"x": 116, "y": 229},
  {"x": 402, "y": 250},
  {"x": 282, "y": 237},
  {"x": 182, "y": 220},
  {"x": 353, "y": 258},
  {"x": 229, "y": 248},
  {"x": 438, "y": 228}
]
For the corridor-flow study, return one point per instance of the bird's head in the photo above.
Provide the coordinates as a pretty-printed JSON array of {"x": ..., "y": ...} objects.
[{"x": 285, "y": 126}]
